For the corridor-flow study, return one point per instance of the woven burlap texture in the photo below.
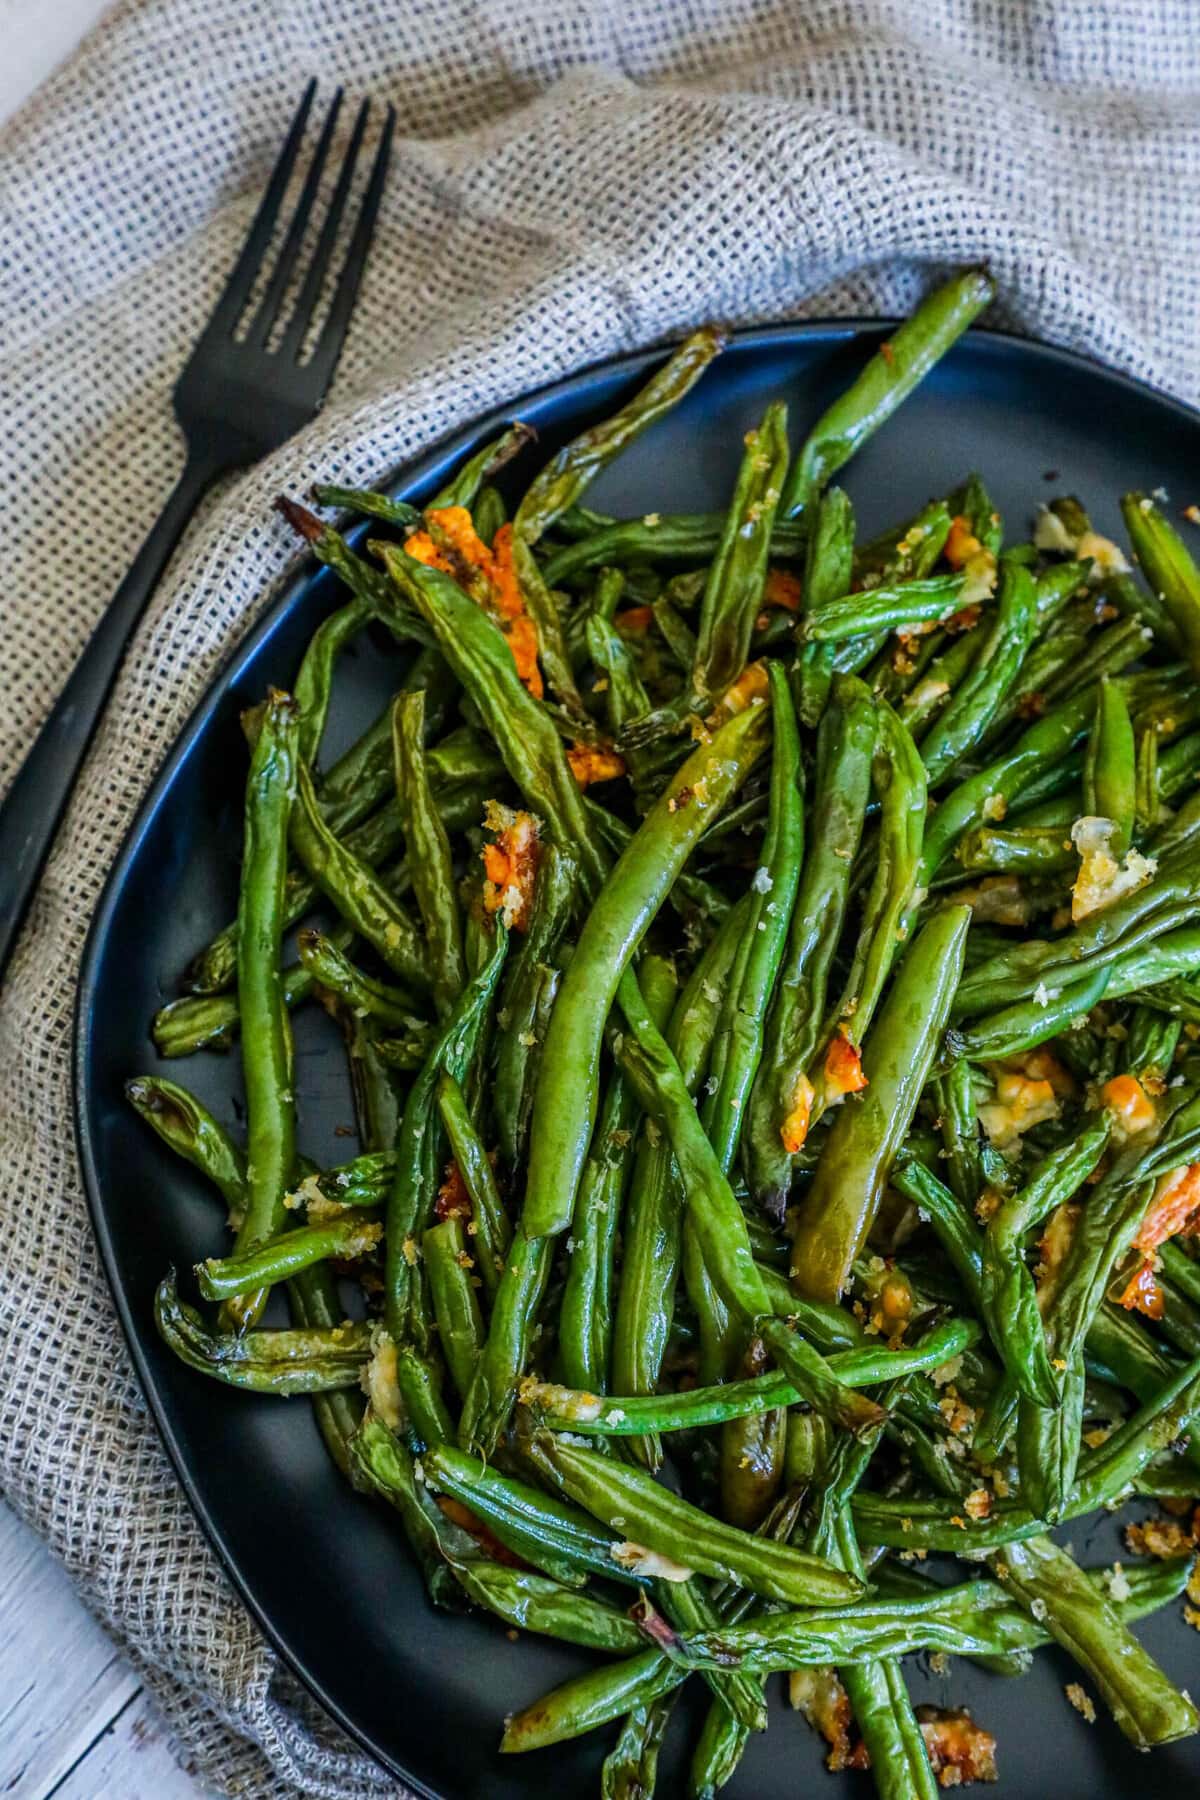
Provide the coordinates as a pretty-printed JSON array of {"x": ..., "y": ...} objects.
[{"x": 572, "y": 178}]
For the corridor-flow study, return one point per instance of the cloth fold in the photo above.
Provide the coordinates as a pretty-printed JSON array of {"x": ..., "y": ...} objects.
[{"x": 572, "y": 178}]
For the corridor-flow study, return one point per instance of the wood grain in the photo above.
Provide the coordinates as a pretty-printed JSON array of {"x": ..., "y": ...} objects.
[{"x": 75, "y": 1722}]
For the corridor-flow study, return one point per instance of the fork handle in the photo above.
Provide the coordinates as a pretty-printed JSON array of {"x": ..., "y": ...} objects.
[{"x": 31, "y": 810}]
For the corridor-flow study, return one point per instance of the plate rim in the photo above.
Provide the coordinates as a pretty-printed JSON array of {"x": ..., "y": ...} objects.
[{"x": 835, "y": 330}]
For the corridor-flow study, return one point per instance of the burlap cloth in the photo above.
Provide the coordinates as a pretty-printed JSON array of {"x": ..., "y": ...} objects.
[{"x": 572, "y": 178}]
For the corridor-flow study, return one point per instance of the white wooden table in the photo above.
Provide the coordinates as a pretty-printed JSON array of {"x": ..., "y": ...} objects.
[{"x": 75, "y": 1721}]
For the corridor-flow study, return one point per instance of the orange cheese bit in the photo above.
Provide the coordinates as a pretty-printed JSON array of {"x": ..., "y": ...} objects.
[
  {"x": 751, "y": 685},
  {"x": 961, "y": 543},
  {"x": 634, "y": 620},
  {"x": 959, "y": 1750},
  {"x": 1143, "y": 1293},
  {"x": 510, "y": 863},
  {"x": 818, "y": 1694},
  {"x": 521, "y": 634},
  {"x": 1173, "y": 1209},
  {"x": 452, "y": 545},
  {"x": 505, "y": 585},
  {"x": 589, "y": 764},
  {"x": 843, "y": 1066},
  {"x": 1042, "y": 1065},
  {"x": 782, "y": 589},
  {"x": 453, "y": 1200},
  {"x": 794, "y": 1129},
  {"x": 1127, "y": 1100}
]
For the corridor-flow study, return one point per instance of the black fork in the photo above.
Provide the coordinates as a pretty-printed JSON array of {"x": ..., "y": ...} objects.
[{"x": 238, "y": 398}]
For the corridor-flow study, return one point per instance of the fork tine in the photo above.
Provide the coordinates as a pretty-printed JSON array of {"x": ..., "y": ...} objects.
[
  {"x": 328, "y": 346},
  {"x": 228, "y": 309},
  {"x": 264, "y": 318},
  {"x": 310, "y": 293}
]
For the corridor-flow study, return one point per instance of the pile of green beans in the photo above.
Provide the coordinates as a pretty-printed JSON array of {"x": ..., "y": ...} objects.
[{"x": 779, "y": 1161}]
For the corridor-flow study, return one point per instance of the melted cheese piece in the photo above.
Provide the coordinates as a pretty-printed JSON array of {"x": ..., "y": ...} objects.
[
  {"x": 640, "y": 1561},
  {"x": 1102, "y": 880},
  {"x": 1019, "y": 1104}
]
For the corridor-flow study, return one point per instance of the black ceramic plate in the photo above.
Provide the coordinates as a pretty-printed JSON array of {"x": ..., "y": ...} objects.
[{"x": 326, "y": 1572}]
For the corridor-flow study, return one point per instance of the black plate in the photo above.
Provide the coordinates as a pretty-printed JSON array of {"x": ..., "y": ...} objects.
[{"x": 325, "y": 1572}]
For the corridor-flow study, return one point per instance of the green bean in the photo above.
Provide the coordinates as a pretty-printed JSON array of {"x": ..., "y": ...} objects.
[
  {"x": 184, "y": 1123},
  {"x": 523, "y": 729},
  {"x": 313, "y": 1303},
  {"x": 313, "y": 686},
  {"x": 920, "y": 1524},
  {"x": 385, "y": 1466},
  {"x": 355, "y": 889},
  {"x": 528, "y": 973},
  {"x": 586, "y": 1312},
  {"x": 1048, "y": 1441},
  {"x": 1168, "y": 566},
  {"x": 815, "y": 1380},
  {"x": 1007, "y": 1291},
  {"x": 369, "y": 503},
  {"x": 455, "y": 1304},
  {"x": 507, "y": 1346},
  {"x": 1108, "y": 773},
  {"x": 463, "y": 488},
  {"x": 840, "y": 1207},
  {"x": 898, "y": 778},
  {"x": 568, "y": 474},
  {"x": 712, "y": 1210},
  {"x": 739, "y": 1048},
  {"x": 902, "y": 361},
  {"x": 543, "y": 1530},
  {"x": 845, "y": 744},
  {"x": 627, "y": 1498},
  {"x": 331, "y": 969},
  {"x": 427, "y": 1417},
  {"x": 1177, "y": 767},
  {"x": 654, "y": 1207},
  {"x": 428, "y": 846},
  {"x": 365, "y": 581},
  {"x": 376, "y": 1108},
  {"x": 415, "y": 1179},
  {"x": 1147, "y": 805},
  {"x": 459, "y": 763},
  {"x": 973, "y": 704},
  {"x": 1147, "y": 1706},
  {"x": 534, "y": 1603},
  {"x": 631, "y": 1767},
  {"x": 659, "y": 537},
  {"x": 1021, "y": 850},
  {"x": 266, "y": 1033},
  {"x": 827, "y": 573},
  {"x": 895, "y": 607},
  {"x": 489, "y": 1221},
  {"x": 228, "y": 1277},
  {"x": 970, "y": 1619},
  {"x": 311, "y": 1361},
  {"x": 1013, "y": 1029},
  {"x": 562, "y": 1409},
  {"x": 590, "y": 1700},
  {"x": 734, "y": 590},
  {"x": 565, "y": 1103},
  {"x": 1046, "y": 743},
  {"x": 489, "y": 513}
]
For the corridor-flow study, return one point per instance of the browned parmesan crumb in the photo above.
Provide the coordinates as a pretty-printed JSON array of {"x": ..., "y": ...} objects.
[
  {"x": 1081, "y": 1701},
  {"x": 960, "y": 1751}
]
